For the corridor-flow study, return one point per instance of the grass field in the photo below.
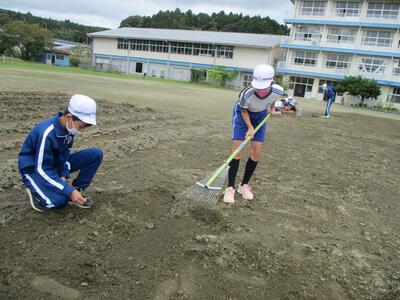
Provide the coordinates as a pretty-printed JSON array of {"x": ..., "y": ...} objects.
[{"x": 323, "y": 225}]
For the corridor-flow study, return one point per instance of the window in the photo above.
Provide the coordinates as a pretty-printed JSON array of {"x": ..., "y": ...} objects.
[
  {"x": 147, "y": 45},
  {"x": 306, "y": 58},
  {"x": 321, "y": 83},
  {"x": 247, "y": 78},
  {"x": 347, "y": 9},
  {"x": 188, "y": 49},
  {"x": 337, "y": 61},
  {"x": 383, "y": 10},
  {"x": 396, "y": 67},
  {"x": 395, "y": 96},
  {"x": 312, "y": 8},
  {"x": 372, "y": 65},
  {"x": 197, "y": 49},
  {"x": 308, "y": 33},
  {"x": 341, "y": 36},
  {"x": 225, "y": 51},
  {"x": 120, "y": 43},
  {"x": 377, "y": 38},
  {"x": 308, "y": 82},
  {"x": 206, "y": 50}
]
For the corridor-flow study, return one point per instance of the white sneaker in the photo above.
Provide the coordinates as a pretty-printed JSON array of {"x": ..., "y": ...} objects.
[
  {"x": 245, "y": 191},
  {"x": 229, "y": 195},
  {"x": 36, "y": 205}
]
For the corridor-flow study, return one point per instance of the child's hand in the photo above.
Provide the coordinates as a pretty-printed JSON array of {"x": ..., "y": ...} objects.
[
  {"x": 76, "y": 196},
  {"x": 250, "y": 132}
]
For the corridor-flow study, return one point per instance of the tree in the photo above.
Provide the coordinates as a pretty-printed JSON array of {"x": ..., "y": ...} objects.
[
  {"x": 65, "y": 30},
  {"x": 359, "y": 86},
  {"x": 132, "y": 21},
  {"x": 216, "y": 22},
  {"x": 31, "y": 40}
]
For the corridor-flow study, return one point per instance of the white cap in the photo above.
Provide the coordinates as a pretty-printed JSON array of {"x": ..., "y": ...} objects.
[
  {"x": 84, "y": 108},
  {"x": 324, "y": 86},
  {"x": 262, "y": 76}
]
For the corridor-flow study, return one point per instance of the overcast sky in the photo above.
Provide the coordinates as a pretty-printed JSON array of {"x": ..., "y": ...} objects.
[{"x": 110, "y": 13}]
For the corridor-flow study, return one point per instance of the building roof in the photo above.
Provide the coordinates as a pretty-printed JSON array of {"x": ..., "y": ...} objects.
[
  {"x": 211, "y": 37},
  {"x": 63, "y": 44},
  {"x": 58, "y": 51}
]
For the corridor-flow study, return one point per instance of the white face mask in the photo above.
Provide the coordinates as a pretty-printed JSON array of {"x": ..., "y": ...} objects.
[{"x": 72, "y": 130}]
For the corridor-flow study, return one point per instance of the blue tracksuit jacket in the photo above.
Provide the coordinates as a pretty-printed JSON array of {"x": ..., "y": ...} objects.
[
  {"x": 330, "y": 91},
  {"x": 45, "y": 152}
]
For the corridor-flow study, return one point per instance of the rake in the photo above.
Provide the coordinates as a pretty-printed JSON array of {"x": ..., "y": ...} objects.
[{"x": 208, "y": 190}]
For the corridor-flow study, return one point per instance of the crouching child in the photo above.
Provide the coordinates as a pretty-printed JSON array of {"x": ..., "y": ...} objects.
[{"x": 46, "y": 162}]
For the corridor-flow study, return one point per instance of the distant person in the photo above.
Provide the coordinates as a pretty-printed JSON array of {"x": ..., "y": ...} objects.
[
  {"x": 145, "y": 72},
  {"x": 325, "y": 95},
  {"x": 290, "y": 104},
  {"x": 250, "y": 109},
  {"x": 330, "y": 92},
  {"x": 45, "y": 161},
  {"x": 278, "y": 106}
]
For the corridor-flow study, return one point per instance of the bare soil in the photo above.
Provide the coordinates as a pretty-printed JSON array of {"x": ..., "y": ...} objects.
[{"x": 324, "y": 223}]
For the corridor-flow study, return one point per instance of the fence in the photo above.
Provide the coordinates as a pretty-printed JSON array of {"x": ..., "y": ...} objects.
[
  {"x": 372, "y": 104},
  {"x": 369, "y": 102},
  {"x": 9, "y": 59},
  {"x": 85, "y": 62}
]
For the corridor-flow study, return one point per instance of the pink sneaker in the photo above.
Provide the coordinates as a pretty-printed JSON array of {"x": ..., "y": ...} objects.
[
  {"x": 245, "y": 191},
  {"x": 229, "y": 195}
]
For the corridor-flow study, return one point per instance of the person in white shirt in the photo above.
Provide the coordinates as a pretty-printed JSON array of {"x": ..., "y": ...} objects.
[
  {"x": 290, "y": 104},
  {"x": 252, "y": 107},
  {"x": 278, "y": 106}
]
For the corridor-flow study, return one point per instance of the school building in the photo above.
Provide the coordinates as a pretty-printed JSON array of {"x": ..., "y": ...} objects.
[
  {"x": 331, "y": 39},
  {"x": 171, "y": 54}
]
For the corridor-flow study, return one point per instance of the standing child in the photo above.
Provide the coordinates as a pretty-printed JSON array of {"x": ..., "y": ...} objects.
[
  {"x": 330, "y": 92},
  {"x": 250, "y": 109}
]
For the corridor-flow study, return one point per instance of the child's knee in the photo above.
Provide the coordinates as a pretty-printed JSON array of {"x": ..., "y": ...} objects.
[
  {"x": 59, "y": 201},
  {"x": 97, "y": 155},
  {"x": 255, "y": 154}
]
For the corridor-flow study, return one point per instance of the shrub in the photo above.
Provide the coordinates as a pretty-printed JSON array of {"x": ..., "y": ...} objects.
[
  {"x": 198, "y": 76},
  {"x": 74, "y": 61},
  {"x": 220, "y": 76}
]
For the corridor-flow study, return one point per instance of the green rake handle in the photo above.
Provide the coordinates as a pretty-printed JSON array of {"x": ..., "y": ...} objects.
[{"x": 234, "y": 153}]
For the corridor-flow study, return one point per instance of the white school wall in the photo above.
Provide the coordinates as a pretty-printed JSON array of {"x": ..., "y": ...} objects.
[{"x": 243, "y": 57}]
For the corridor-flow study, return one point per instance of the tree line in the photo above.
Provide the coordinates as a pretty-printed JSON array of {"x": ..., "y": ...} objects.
[
  {"x": 65, "y": 30},
  {"x": 215, "y": 22}
]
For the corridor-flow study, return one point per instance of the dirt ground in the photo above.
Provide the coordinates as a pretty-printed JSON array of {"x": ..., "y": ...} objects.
[{"x": 324, "y": 223}]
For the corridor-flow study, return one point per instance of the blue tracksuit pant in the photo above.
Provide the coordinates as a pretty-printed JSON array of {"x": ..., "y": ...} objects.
[
  {"x": 328, "y": 106},
  {"x": 86, "y": 161}
]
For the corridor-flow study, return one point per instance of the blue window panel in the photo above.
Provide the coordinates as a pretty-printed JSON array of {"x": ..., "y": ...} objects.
[
  {"x": 341, "y": 23},
  {"x": 341, "y": 50},
  {"x": 327, "y": 75}
]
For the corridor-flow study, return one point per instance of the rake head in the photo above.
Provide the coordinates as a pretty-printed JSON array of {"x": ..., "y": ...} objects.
[{"x": 207, "y": 195}]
